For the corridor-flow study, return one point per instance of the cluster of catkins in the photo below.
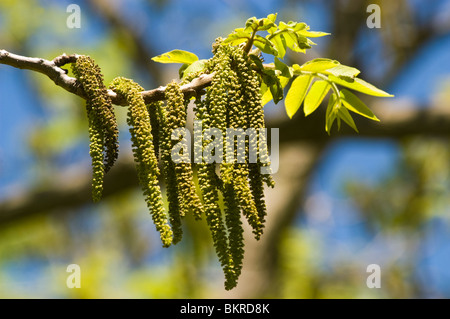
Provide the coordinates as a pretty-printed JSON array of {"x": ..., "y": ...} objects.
[{"x": 227, "y": 189}]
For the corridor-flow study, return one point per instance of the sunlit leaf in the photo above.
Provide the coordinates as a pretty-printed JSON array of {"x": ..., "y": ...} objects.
[
  {"x": 345, "y": 115},
  {"x": 282, "y": 25},
  {"x": 296, "y": 94},
  {"x": 354, "y": 104},
  {"x": 315, "y": 96},
  {"x": 272, "y": 17},
  {"x": 279, "y": 43},
  {"x": 312, "y": 34},
  {"x": 330, "y": 115},
  {"x": 283, "y": 68},
  {"x": 237, "y": 37},
  {"x": 319, "y": 65},
  {"x": 265, "y": 24},
  {"x": 343, "y": 71},
  {"x": 176, "y": 56},
  {"x": 292, "y": 42},
  {"x": 300, "y": 26},
  {"x": 195, "y": 67},
  {"x": 267, "y": 94},
  {"x": 251, "y": 24},
  {"x": 359, "y": 85},
  {"x": 265, "y": 45}
]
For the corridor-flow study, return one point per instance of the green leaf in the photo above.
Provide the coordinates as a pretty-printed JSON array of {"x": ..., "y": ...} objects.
[
  {"x": 330, "y": 115},
  {"x": 176, "y": 56},
  {"x": 294, "y": 42},
  {"x": 272, "y": 17},
  {"x": 310, "y": 42},
  {"x": 316, "y": 94},
  {"x": 273, "y": 83},
  {"x": 345, "y": 115},
  {"x": 283, "y": 68},
  {"x": 277, "y": 91},
  {"x": 197, "y": 66},
  {"x": 343, "y": 71},
  {"x": 267, "y": 94},
  {"x": 282, "y": 25},
  {"x": 296, "y": 68},
  {"x": 257, "y": 61},
  {"x": 279, "y": 43},
  {"x": 300, "y": 26},
  {"x": 251, "y": 24},
  {"x": 264, "y": 45},
  {"x": 354, "y": 104},
  {"x": 265, "y": 24},
  {"x": 359, "y": 85},
  {"x": 296, "y": 94},
  {"x": 302, "y": 42},
  {"x": 182, "y": 68},
  {"x": 319, "y": 65},
  {"x": 312, "y": 34},
  {"x": 237, "y": 37},
  {"x": 330, "y": 105}
]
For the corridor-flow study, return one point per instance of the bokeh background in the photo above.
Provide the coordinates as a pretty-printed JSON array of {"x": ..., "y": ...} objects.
[{"x": 342, "y": 202}]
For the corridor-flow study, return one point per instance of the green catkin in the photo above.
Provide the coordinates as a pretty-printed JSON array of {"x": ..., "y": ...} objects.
[
  {"x": 235, "y": 119},
  {"x": 239, "y": 118},
  {"x": 251, "y": 81},
  {"x": 103, "y": 130},
  {"x": 169, "y": 120},
  {"x": 89, "y": 74},
  {"x": 111, "y": 128},
  {"x": 225, "y": 104},
  {"x": 219, "y": 96},
  {"x": 154, "y": 111},
  {"x": 257, "y": 188},
  {"x": 169, "y": 177},
  {"x": 235, "y": 236},
  {"x": 144, "y": 154},
  {"x": 207, "y": 180},
  {"x": 96, "y": 153},
  {"x": 256, "y": 119},
  {"x": 181, "y": 181}
]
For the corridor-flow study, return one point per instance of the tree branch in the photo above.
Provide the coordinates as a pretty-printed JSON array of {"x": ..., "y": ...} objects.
[
  {"x": 58, "y": 75},
  {"x": 64, "y": 196},
  {"x": 395, "y": 123}
]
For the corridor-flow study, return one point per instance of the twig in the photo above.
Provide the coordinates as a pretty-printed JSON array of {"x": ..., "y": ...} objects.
[{"x": 58, "y": 75}]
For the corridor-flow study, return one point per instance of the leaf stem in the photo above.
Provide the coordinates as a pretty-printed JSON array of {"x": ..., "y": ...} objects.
[{"x": 249, "y": 44}]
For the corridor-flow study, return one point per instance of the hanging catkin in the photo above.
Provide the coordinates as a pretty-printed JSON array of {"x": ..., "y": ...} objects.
[
  {"x": 103, "y": 132},
  {"x": 209, "y": 186},
  {"x": 230, "y": 186},
  {"x": 144, "y": 153},
  {"x": 180, "y": 185},
  {"x": 154, "y": 110}
]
